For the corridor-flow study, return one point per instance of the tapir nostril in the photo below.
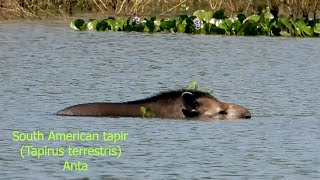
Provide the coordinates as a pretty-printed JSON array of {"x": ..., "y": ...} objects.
[{"x": 247, "y": 116}]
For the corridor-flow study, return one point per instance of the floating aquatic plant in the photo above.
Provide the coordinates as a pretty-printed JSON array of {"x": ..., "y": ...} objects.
[
  {"x": 196, "y": 23},
  {"x": 193, "y": 85},
  {"x": 136, "y": 20},
  {"x": 208, "y": 22},
  {"x": 146, "y": 112}
]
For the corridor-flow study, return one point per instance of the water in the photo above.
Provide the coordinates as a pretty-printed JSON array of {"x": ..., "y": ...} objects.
[{"x": 45, "y": 67}]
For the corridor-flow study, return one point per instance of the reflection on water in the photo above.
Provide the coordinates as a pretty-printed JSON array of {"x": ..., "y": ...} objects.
[{"x": 46, "y": 68}]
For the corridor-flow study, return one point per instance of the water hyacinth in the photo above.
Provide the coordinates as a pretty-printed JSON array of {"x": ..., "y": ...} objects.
[
  {"x": 196, "y": 23},
  {"x": 206, "y": 23},
  {"x": 136, "y": 20},
  {"x": 231, "y": 19}
]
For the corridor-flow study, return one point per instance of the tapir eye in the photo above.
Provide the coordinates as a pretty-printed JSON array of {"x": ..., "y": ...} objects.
[{"x": 223, "y": 112}]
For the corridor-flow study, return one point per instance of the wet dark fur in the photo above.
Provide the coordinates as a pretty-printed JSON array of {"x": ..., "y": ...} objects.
[{"x": 170, "y": 95}]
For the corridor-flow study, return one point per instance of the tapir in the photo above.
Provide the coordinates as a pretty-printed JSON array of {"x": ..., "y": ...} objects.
[{"x": 176, "y": 104}]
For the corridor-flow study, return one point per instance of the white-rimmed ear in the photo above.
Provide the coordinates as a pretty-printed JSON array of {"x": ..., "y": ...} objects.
[{"x": 190, "y": 103}]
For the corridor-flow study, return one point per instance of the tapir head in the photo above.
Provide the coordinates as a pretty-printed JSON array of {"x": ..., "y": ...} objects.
[{"x": 209, "y": 107}]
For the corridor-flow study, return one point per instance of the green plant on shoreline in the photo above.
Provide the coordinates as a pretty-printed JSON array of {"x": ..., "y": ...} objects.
[{"x": 209, "y": 22}]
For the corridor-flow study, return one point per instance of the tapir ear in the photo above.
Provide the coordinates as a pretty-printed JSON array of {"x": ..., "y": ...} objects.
[
  {"x": 189, "y": 101},
  {"x": 191, "y": 105}
]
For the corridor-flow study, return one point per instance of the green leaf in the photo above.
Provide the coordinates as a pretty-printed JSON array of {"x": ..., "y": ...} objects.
[
  {"x": 223, "y": 25},
  {"x": 73, "y": 26},
  {"x": 139, "y": 27},
  {"x": 300, "y": 23},
  {"x": 308, "y": 30},
  {"x": 116, "y": 24},
  {"x": 304, "y": 28},
  {"x": 183, "y": 17},
  {"x": 193, "y": 85},
  {"x": 217, "y": 30},
  {"x": 121, "y": 23},
  {"x": 112, "y": 24},
  {"x": 201, "y": 14},
  {"x": 244, "y": 28},
  {"x": 103, "y": 25},
  {"x": 208, "y": 16},
  {"x": 265, "y": 28},
  {"x": 228, "y": 22},
  {"x": 255, "y": 18},
  {"x": 190, "y": 19},
  {"x": 276, "y": 31},
  {"x": 92, "y": 24},
  {"x": 267, "y": 16},
  {"x": 285, "y": 21},
  {"x": 78, "y": 25},
  {"x": 208, "y": 28},
  {"x": 219, "y": 14},
  {"x": 285, "y": 34},
  {"x": 157, "y": 23},
  {"x": 153, "y": 18},
  {"x": 128, "y": 25},
  {"x": 146, "y": 112},
  {"x": 237, "y": 26},
  {"x": 297, "y": 31},
  {"x": 150, "y": 25},
  {"x": 241, "y": 17},
  {"x": 181, "y": 28},
  {"x": 316, "y": 28},
  {"x": 168, "y": 24}
]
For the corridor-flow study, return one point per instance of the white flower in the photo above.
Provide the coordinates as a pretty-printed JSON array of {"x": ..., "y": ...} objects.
[
  {"x": 218, "y": 22},
  {"x": 212, "y": 21},
  {"x": 245, "y": 20},
  {"x": 231, "y": 19},
  {"x": 271, "y": 16},
  {"x": 136, "y": 19},
  {"x": 157, "y": 22}
]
